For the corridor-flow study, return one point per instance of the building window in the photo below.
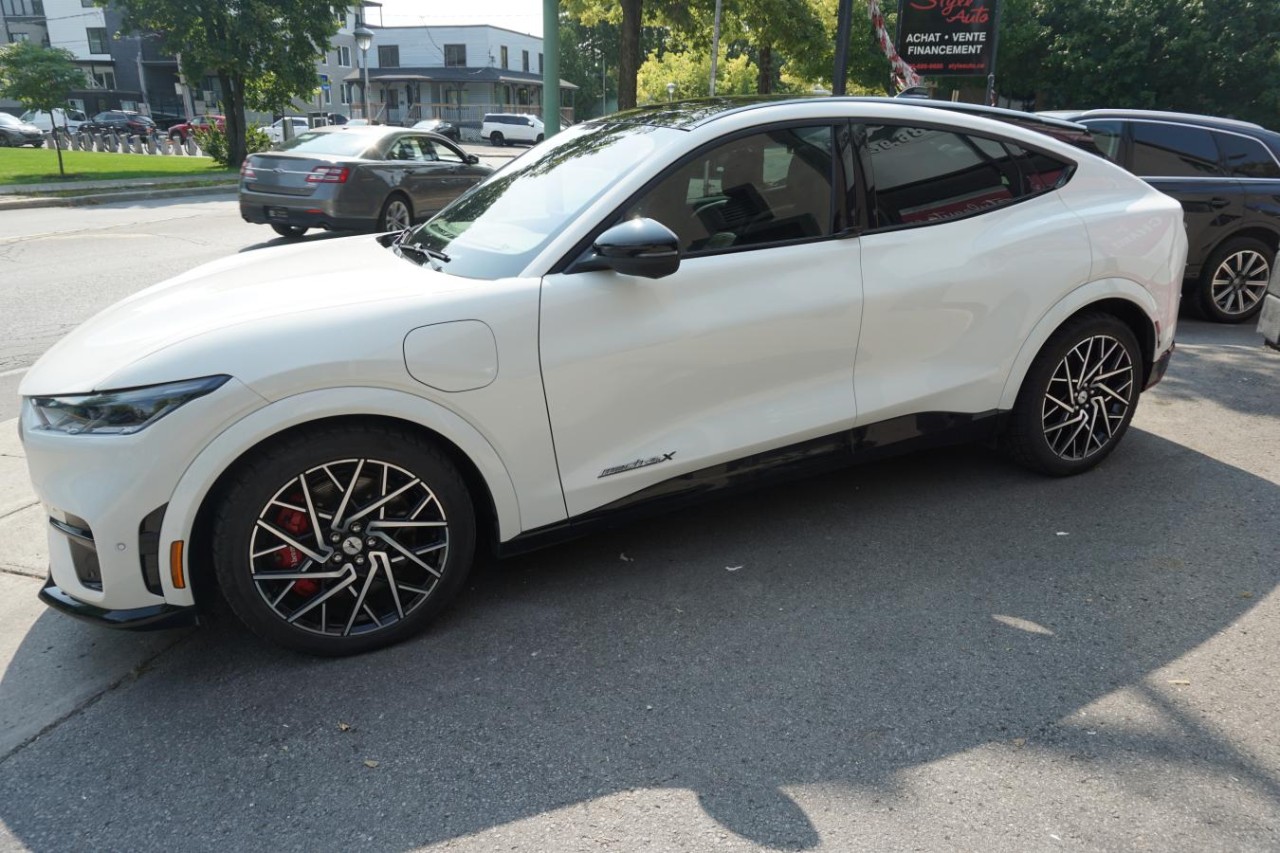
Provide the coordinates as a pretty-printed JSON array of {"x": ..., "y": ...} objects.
[
  {"x": 504, "y": 57},
  {"x": 539, "y": 63},
  {"x": 388, "y": 56},
  {"x": 344, "y": 57},
  {"x": 86, "y": 4},
  {"x": 524, "y": 60},
  {"x": 455, "y": 55},
  {"x": 104, "y": 79},
  {"x": 343, "y": 94},
  {"x": 97, "y": 39},
  {"x": 23, "y": 9},
  {"x": 16, "y": 37}
]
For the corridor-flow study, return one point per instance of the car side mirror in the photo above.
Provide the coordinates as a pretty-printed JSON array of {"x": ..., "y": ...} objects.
[
  {"x": 472, "y": 159},
  {"x": 639, "y": 247}
]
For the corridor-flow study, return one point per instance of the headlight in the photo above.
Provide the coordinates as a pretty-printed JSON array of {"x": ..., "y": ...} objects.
[{"x": 118, "y": 412}]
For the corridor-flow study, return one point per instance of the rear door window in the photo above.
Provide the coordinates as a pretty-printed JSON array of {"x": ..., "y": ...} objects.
[
  {"x": 1173, "y": 151},
  {"x": 1107, "y": 135},
  {"x": 927, "y": 175},
  {"x": 1246, "y": 158}
]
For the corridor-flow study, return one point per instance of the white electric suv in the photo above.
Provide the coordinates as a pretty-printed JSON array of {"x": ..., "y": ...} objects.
[{"x": 637, "y": 311}]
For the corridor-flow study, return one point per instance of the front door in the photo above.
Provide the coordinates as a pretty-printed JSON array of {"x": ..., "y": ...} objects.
[{"x": 748, "y": 347}]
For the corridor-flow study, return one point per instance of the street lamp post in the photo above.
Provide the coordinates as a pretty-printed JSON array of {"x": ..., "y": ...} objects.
[
  {"x": 364, "y": 38},
  {"x": 671, "y": 92}
]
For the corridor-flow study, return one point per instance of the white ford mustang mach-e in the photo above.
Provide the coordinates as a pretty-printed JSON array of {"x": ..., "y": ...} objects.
[{"x": 635, "y": 312}]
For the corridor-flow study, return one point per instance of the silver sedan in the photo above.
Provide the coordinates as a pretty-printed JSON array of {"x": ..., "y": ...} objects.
[{"x": 355, "y": 179}]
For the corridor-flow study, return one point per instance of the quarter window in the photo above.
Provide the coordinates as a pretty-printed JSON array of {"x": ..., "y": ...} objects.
[
  {"x": 926, "y": 175},
  {"x": 1173, "y": 151},
  {"x": 766, "y": 188},
  {"x": 1107, "y": 135},
  {"x": 1246, "y": 158}
]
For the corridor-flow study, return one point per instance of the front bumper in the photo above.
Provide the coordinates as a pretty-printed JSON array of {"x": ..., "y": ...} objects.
[{"x": 156, "y": 617}]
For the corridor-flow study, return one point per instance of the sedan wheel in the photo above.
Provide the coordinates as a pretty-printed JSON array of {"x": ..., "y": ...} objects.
[
  {"x": 396, "y": 215},
  {"x": 1078, "y": 398},
  {"x": 344, "y": 540},
  {"x": 1236, "y": 281}
]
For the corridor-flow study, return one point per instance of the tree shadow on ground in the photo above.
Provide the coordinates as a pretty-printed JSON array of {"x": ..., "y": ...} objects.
[{"x": 882, "y": 618}]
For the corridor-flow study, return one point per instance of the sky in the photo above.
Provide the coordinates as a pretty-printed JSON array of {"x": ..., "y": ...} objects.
[{"x": 524, "y": 16}]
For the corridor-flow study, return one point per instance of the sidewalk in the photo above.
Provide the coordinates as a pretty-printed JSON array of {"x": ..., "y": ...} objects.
[{"x": 51, "y": 666}]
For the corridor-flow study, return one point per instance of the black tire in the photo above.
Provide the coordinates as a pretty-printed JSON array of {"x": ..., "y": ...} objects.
[
  {"x": 391, "y": 211},
  {"x": 392, "y": 600},
  {"x": 1234, "y": 281},
  {"x": 293, "y": 232},
  {"x": 497, "y": 139},
  {"x": 1058, "y": 437},
  {"x": 539, "y": 139}
]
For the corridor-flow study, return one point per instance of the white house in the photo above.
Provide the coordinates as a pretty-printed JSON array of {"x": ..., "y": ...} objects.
[{"x": 454, "y": 72}]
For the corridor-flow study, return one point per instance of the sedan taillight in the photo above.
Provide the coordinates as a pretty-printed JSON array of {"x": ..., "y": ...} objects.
[
  {"x": 329, "y": 175},
  {"x": 246, "y": 171}
]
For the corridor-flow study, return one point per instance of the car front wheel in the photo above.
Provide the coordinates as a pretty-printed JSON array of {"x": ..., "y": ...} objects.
[
  {"x": 497, "y": 139},
  {"x": 1078, "y": 398},
  {"x": 1235, "y": 280},
  {"x": 344, "y": 539}
]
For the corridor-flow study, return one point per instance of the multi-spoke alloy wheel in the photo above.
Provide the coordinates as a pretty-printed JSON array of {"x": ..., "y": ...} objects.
[
  {"x": 396, "y": 215},
  {"x": 1235, "y": 280},
  {"x": 1077, "y": 399},
  {"x": 1088, "y": 398},
  {"x": 344, "y": 543}
]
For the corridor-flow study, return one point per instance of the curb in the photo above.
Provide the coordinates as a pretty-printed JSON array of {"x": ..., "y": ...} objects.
[{"x": 109, "y": 197}]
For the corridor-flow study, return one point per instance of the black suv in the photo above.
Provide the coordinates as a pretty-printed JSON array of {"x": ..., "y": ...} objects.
[
  {"x": 121, "y": 121},
  {"x": 1226, "y": 173}
]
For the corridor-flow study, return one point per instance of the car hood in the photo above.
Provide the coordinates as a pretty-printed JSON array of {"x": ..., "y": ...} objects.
[{"x": 257, "y": 292}]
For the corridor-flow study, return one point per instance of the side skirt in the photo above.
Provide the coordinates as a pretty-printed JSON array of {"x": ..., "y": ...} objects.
[{"x": 863, "y": 444}]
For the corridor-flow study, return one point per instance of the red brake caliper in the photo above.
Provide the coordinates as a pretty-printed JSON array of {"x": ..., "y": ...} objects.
[{"x": 295, "y": 524}]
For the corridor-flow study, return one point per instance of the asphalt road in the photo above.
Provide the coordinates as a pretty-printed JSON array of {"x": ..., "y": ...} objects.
[{"x": 938, "y": 652}]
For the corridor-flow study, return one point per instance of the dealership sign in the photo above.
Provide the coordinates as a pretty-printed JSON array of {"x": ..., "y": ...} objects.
[{"x": 941, "y": 37}]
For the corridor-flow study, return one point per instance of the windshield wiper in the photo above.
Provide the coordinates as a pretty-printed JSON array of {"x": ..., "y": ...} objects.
[{"x": 421, "y": 254}]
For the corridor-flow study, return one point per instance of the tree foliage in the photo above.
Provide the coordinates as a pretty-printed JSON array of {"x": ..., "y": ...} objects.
[
  {"x": 263, "y": 52},
  {"x": 691, "y": 72},
  {"x": 39, "y": 78}
]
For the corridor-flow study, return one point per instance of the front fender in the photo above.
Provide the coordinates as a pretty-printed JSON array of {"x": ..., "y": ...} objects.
[
  {"x": 250, "y": 431},
  {"x": 1081, "y": 297}
]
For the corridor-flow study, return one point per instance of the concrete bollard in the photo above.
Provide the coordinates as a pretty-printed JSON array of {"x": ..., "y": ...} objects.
[{"x": 192, "y": 148}]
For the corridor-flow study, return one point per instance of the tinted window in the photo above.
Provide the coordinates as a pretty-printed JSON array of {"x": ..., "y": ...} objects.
[
  {"x": 1246, "y": 158},
  {"x": 1174, "y": 151},
  {"x": 1040, "y": 172},
  {"x": 1107, "y": 136},
  {"x": 440, "y": 151},
  {"x": 766, "y": 188},
  {"x": 925, "y": 175}
]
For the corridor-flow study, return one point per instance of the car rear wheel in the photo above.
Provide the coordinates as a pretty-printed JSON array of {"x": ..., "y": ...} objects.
[
  {"x": 397, "y": 214},
  {"x": 1235, "y": 280},
  {"x": 497, "y": 139},
  {"x": 291, "y": 231},
  {"x": 344, "y": 539},
  {"x": 1078, "y": 398}
]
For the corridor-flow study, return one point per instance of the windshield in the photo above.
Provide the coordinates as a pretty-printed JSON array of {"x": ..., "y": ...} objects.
[
  {"x": 334, "y": 143},
  {"x": 7, "y": 119},
  {"x": 500, "y": 225}
]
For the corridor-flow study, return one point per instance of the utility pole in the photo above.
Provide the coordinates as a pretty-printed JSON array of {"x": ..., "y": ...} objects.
[
  {"x": 550, "y": 67},
  {"x": 844, "y": 20},
  {"x": 715, "y": 48}
]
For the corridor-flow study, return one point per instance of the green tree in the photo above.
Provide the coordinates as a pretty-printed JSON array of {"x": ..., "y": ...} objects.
[
  {"x": 263, "y": 52},
  {"x": 691, "y": 72},
  {"x": 39, "y": 78}
]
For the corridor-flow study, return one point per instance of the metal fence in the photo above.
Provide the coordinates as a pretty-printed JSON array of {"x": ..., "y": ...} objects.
[{"x": 154, "y": 144}]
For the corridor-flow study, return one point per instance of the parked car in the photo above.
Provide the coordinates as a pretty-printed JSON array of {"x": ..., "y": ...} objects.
[
  {"x": 15, "y": 132},
  {"x": 1226, "y": 173},
  {"x": 647, "y": 308},
  {"x": 275, "y": 131},
  {"x": 502, "y": 128},
  {"x": 68, "y": 119},
  {"x": 121, "y": 122},
  {"x": 181, "y": 131},
  {"x": 440, "y": 126},
  {"x": 354, "y": 178}
]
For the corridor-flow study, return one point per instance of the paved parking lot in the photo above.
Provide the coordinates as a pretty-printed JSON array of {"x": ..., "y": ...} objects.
[{"x": 937, "y": 652}]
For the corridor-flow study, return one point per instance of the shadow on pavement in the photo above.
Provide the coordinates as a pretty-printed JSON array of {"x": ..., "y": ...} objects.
[{"x": 882, "y": 618}]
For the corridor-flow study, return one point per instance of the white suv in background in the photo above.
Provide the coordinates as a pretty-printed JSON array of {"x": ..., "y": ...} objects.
[
  {"x": 501, "y": 128},
  {"x": 70, "y": 119},
  {"x": 275, "y": 131}
]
